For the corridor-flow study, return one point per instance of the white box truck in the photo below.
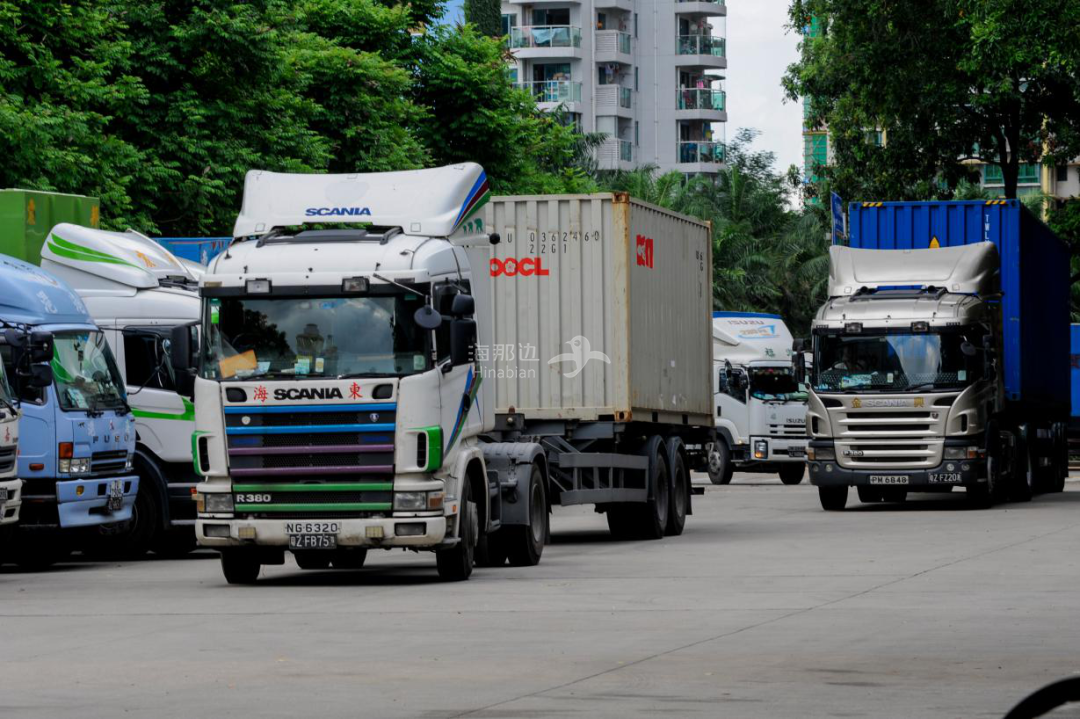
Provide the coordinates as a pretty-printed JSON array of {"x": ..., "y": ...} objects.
[
  {"x": 760, "y": 404},
  {"x": 352, "y": 388}
]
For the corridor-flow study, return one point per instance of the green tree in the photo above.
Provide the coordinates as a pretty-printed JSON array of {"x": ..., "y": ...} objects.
[
  {"x": 949, "y": 80},
  {"x": 486, "y": 15}
]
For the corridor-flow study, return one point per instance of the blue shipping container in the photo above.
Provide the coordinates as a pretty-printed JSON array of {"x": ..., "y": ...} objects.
[
  {"x": 196, "y": 249},
  {"x": 1074, "y": 364},
  {"x": 1034, "y": 281}
]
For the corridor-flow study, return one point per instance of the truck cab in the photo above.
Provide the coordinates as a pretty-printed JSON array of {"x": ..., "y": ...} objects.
[
  {"x": 137, "y": 292},
  {"x": 10, "y": 485},
  {"x": 760, "y": 404},
  {"x": 338, "y": 403},
  {"x": 76, "y": 429}
]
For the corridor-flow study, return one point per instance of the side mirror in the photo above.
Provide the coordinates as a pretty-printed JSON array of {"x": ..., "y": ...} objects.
[
  {"x": 798, "y": 345},
  {"x": 41, "y": 376},
  {"x": 41, "y": 347},
  {"x": 180, "y": 348},
  {"x": 185, "y": 384},
  {"x": 427, "y": 318},
  {"x": 462, "y": 341},
  {"x": 798, "y": 365},
  {"x": 463, "y": 305}
]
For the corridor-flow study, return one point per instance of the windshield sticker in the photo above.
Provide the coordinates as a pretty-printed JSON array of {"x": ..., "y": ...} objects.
[
  {"x": 263, "y": 367},
  {"x": 303, "y": 365},
  {"x": 320, "y": 365},
  {"x": 329, "y": 305},
  {"x": 889, "y": 378},
  {"x": 418, "y": 362},
  {"x": 77, "y": 398},
  {"x": 962, "y": 375},
  {"x": 855, "y": 380}
]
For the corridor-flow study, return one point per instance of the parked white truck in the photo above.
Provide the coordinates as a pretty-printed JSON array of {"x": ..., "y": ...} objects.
[
  {"x": 350, "y": 391},
  {"x": 10, "y": 485},
  {"x": 760, "y": 405},
  {"x": 137, "y": 291}
]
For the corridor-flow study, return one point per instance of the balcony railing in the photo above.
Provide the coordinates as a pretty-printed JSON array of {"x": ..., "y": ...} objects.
[
  {"x": 553, "y": 90},
  {"x": 545, "y": 36},
  {"x": 702, "y": 45},
  {"x": 614, "y": 151},
  {"x": 701, "y": 152},
  {"x": 691, "y": 98},
  {"x": 714, "y": 2}
]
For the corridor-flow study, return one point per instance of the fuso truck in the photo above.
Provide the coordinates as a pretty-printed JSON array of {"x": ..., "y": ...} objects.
[
  {"x": 354, "y": 387},
  {"x": 137, "y": 291},
  {"x": 77, "y": 434},
  {"x": 760, "y": 405},
  {"x": 941, "y": 358}
]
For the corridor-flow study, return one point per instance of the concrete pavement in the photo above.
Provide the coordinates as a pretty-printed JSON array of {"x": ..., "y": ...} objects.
[{"x": 765, "y": 607}]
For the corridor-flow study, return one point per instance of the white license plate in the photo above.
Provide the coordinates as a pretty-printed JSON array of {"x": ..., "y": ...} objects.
[
  {"x": 116, "y": 495},
  {"x": 3, "y": 495},
  {"x": 945, "y": 477},
  {"x": 889, "y": 479},
  {"x": 312, "y": 541},
  {"x": 312, "y": 527},
  {"x": 796, "y": 452}
]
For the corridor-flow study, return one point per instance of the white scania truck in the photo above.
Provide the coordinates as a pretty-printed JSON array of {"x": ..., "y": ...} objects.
[
  {"x": 137, "y": 291},
  {"x": 760, "y": 405},
  {"x": 346, "y": 396}
]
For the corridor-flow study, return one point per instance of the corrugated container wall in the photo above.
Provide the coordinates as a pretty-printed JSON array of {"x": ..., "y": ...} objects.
[
  {"x": 1034, "y": 281},
  {"x": 605, "y": 305},
  {"x": 26, "y": 216}
]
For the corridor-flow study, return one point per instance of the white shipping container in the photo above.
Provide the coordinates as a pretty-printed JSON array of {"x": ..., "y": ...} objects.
[{"x": 602, "y": 310}]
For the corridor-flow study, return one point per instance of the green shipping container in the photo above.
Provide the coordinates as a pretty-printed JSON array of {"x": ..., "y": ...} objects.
[{"x": 26, "y": 216}]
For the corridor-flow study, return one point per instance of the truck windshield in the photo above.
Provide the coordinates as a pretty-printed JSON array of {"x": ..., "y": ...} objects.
[
  {"x": 85, "y": 372},
  {"x": 894, "y": 363},
  {"x": 371, "y": 336},
  {"x": 775, "y": 384}
]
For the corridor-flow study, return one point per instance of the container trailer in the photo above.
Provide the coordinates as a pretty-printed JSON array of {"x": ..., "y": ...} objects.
[{"x": 941, "y": 358}]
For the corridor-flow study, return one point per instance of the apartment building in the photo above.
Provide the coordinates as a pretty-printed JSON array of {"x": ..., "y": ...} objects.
[{"x": 646, "y": 73}]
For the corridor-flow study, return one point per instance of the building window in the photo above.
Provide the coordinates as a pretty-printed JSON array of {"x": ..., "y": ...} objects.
[
  {"x": 601, "y": 21},
  {"x": 1062, "y": 173},
  {"x": 508, "y": 21},
  {"x": 637, "y": 133},
  {"x": 992, "y": 175},
  {"x": 815, "y": 153},
  {"x": 637, "y": 78},
  {"x": 559, "y": 16},
  {"x": 1029, "y": 174},
  {"x": 635, "y": 24}
]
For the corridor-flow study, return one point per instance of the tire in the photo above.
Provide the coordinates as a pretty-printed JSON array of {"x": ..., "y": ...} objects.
[
  {"x": 349, "y": 558},
  {"x": 524, "y": 544},
  {"x": 622, "y": 520},
  {"x": 869, "y": 495},
  {"x": 240, "y": 566},
  {"x": 313, "y": 560},
  {"x": 720, "y": 467},
  {"x": 111, "y": 542},
  {"x": 456, "y": 563},
  {"x": 1024, "y": 478},
  {"x": 792, "y": 472},
  {"x": 175, "y": 543},
  {"x": 679, "y": 501},
  {"x": 654, "y": 513},
  {"x": 833, "y": 499},
  {"x": 39, "y": 554},
  {"x": 491, "y": 549}
]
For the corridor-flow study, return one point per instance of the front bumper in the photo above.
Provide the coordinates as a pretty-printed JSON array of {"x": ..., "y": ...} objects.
[
  {"x": 778, "y": 450},
  {"x": 9, "y": 510},
  {"x": 963, "y": 473},
  {"x": 90, "y": 507},
  {"x": 349, "y": 532}
]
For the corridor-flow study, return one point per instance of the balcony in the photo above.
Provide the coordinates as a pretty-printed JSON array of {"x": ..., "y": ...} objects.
[
  {"x": 694, "y": 156},
  {"x": 614, "y": 100},
  {"x": 553, "y": 92},
  {"x": 614, "y": 46},
  {"x": 616, "y": 154},
  {"x": 701, "y": 51},
  {"x": 711, "y": 8},
  {"x": 701, "y": 104},
  {"x": 546, "y": 41}
]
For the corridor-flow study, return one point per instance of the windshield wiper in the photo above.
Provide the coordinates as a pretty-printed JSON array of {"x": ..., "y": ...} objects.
[{"x": 367, "y": 375}]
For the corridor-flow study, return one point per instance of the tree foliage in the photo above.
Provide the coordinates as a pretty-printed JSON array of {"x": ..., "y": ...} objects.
[
  {"x": 486, "y": 15},
  {"x": 766, "y": 256},
  {"x": 948, "y": 80},
  {"x": 160, "y": 108}
]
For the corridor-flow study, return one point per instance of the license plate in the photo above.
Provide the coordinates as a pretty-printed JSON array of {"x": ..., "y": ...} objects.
[
  {"x": 116, "y": 495},
  {"x": 889, "y": 479},
  {"x": 312, "y": 527},
  {"x": 3, "y": 495},
  {"x": 945, "y": 477},
  {"x": 796, "y": 452},
  {"x": 312, "y": 541}
]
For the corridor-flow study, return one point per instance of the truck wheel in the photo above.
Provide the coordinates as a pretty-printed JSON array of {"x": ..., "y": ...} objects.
[
  {"x": 349, "y": 558},
  {"x": 720, "y": 467},
  {"x": 312, "y": 560},
  {"x": 622, "y": 520},
  {"x": 680, "y": 490},
  {"x": 491, "y": 549},
  {"x": 868, "y": 494},
  {"x": 792, "y": 473},
  {"x": 145, "y": 521},
  {"x": 456, "y": 563},
  {"x": 654, "y": 513},
  {"x": 525, "y": 543},
  {"x": 1023, "y": 479},
  {"x": 240, "y": 566},
  {"x": 833, "y": 499}
]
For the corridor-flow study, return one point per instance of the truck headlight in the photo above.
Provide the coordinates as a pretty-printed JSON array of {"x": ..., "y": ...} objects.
[
  {"x": 418, "y": 501},
  {"x": 216, "y": 502},
  {"x": 761, "y": 449},
  {"x": 74, "y": 466},
  {"x": 961, "y": 452},
  {"x": 815, "y": 454}
]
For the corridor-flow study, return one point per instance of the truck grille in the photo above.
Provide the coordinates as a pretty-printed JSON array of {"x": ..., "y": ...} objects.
[
  {"x": 789, "y": 429},
  {"x": 109, "y": 462},
  {"x": 7, "y": 459},
  {"x": 312, "y": 462}
]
